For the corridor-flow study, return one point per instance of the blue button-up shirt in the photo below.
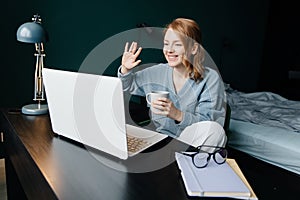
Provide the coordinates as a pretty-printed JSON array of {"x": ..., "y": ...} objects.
[{"x": 203, "y": 101}]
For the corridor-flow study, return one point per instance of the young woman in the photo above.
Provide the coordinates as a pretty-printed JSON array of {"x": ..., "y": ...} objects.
[{"x": 194, "y": 112}]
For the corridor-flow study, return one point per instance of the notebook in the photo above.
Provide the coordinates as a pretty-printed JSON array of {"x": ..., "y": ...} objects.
[
  {"x": 214, "y": 180},
  {"x": 89, "y": 109}
]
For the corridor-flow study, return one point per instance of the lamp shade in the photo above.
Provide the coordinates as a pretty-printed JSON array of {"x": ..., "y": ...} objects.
[{"x": 31, "y": 32}]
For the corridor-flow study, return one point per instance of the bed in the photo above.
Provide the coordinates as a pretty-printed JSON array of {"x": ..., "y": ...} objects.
[{"x": 267, "y": 126}]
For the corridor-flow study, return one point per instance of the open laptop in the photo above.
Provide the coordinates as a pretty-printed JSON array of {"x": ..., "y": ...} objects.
[{"x": 89, "y": 109}]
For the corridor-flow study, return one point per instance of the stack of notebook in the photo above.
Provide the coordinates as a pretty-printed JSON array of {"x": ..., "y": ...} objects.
[{"x": 225, "y": 180}]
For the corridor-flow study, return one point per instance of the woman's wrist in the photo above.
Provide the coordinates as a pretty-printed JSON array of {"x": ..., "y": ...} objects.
[
  {"x": 178, "y": 117},
  {"x": 124, "y": 70}
]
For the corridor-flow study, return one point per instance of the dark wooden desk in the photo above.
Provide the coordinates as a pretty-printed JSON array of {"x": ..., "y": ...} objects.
[
  {"x": 49, "y": 167},
  {"x": 41, "y": 165}
]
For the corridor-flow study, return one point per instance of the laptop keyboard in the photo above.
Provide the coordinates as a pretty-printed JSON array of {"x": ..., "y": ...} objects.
[{"x": 135, "y": 144}]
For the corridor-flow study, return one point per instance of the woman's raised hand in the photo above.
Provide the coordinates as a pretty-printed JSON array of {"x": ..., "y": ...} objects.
[{"x": 129, "y": 57}]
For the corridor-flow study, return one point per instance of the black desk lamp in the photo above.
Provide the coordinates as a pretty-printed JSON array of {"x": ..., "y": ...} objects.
[{"x": 33, "y": 32}]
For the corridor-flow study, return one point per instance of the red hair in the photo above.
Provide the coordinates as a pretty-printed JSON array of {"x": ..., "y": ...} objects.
[{"x": 190, "y": 34}]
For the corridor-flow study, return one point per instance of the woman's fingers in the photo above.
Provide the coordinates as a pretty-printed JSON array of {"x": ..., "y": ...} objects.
[
  {"x": 133, "y": 47},
  {"x": 137, "y": 53},
  {"x": 161, "y": 103},
  {"x": 130, "y": 55},
  {"x": 136, "y": 63},
  {"x": 126, "y": 47}
]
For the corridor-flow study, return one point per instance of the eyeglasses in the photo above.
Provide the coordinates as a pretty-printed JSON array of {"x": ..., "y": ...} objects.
[{"x": 201, "y": 157}]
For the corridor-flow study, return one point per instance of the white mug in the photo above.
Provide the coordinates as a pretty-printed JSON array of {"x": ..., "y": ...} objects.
[{"x": 154, "y": 95}]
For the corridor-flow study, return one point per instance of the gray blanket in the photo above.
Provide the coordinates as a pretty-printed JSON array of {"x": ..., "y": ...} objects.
[{"x": 264, "y": 108}]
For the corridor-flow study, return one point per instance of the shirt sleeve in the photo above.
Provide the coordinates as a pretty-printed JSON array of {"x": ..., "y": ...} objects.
[{"x": 130, "y": 83}]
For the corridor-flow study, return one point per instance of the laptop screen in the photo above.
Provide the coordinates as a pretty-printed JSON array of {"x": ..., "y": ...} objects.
[{"x": 87, "y": 108}]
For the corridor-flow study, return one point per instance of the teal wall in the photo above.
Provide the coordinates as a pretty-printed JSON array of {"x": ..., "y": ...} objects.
[{"x": 233, "y": 35}]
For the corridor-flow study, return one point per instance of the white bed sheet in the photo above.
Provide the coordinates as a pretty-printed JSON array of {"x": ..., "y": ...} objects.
[
  {"x": 264, "y": 108},
  {"x": 266, "y": 126},
  {"x": 278, "y": 146}
]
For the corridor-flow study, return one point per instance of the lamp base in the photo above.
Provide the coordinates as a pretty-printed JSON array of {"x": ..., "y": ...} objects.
[{"x": 35, "y": 109}]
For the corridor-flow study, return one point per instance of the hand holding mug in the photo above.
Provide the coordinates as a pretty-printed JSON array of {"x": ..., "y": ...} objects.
[
  {"x": 162, "y": 105},
  {"x": 156, "y": 99}
]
